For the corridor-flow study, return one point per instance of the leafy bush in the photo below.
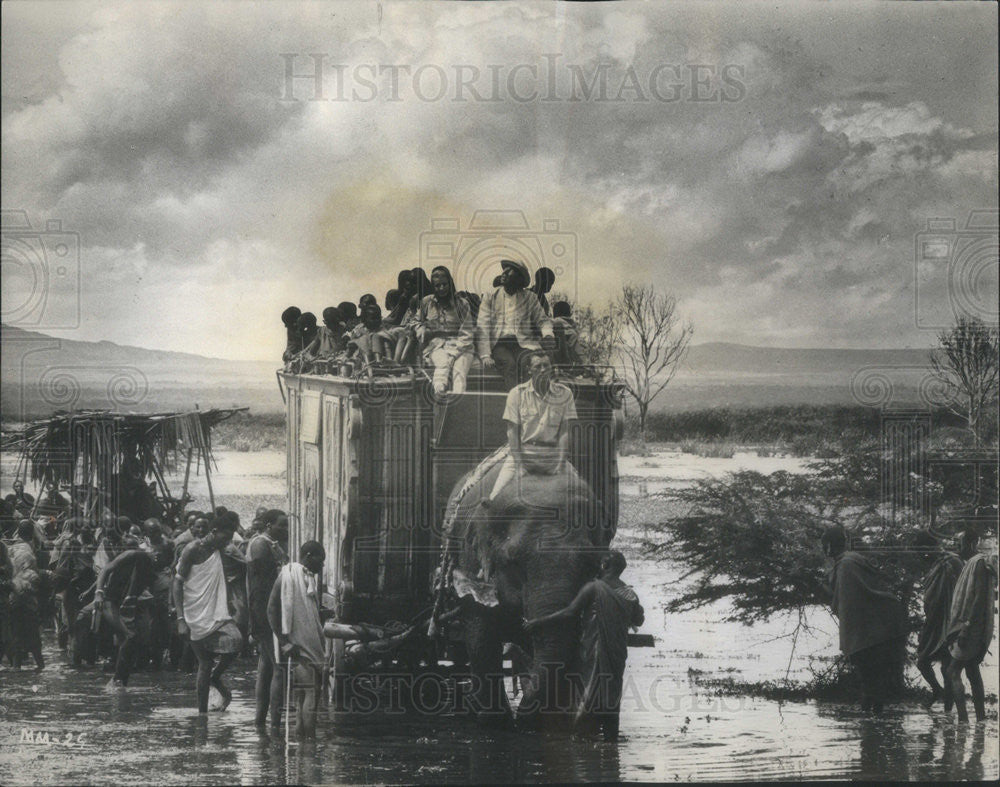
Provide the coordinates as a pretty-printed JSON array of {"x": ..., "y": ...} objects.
[{"x": 753, "y": 539}]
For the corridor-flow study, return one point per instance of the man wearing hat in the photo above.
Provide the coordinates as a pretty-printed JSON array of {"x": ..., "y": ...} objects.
[{"x": 512, "y": 324}]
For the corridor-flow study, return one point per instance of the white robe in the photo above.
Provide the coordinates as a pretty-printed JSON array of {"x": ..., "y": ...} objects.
[{"x": 206, "y": 605}]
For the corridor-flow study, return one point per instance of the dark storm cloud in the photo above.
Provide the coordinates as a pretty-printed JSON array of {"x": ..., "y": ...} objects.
[{"x": 160, "y": 134}]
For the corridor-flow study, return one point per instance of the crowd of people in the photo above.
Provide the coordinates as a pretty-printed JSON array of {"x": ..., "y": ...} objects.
[
  {"x": 203, "y": 590},
  {"x": 197, "y": 593},
  {"x": 193, "y": 592},
  {"x": 428, "y": 322},
  {"x": 959, "y": 595}
]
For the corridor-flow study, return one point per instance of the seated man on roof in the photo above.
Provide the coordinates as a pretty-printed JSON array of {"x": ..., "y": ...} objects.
[
  {"x": 446, "y": 330},
  {"x": 512, "y": 324},
  {"x": 544, "y": 279},
  {"x": 349, "y": 314}
]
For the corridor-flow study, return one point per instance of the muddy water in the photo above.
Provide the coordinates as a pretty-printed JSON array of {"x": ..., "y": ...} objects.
[{"x": 672, "y": 729}]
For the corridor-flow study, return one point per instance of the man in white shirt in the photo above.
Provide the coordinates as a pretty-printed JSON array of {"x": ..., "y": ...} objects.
[
  {"x": 537, "y": 413},
  {"x": 512, "y": 324}
]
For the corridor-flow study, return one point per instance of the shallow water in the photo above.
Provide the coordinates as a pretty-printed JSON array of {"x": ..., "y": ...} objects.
[{"x": 672, "y": 728}]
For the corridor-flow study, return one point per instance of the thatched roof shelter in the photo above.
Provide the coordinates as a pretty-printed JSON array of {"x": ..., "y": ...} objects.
[{"x": 96, "y": 449}]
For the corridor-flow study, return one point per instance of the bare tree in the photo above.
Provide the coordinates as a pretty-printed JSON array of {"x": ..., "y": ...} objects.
[
  {"x": 598, "y": 336},
  {"x": 966, "y": 363},
  {"x": 651, "y": 342}
]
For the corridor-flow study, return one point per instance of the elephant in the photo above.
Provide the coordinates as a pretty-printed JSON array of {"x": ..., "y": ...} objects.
[{"x": 526, "y": 555}]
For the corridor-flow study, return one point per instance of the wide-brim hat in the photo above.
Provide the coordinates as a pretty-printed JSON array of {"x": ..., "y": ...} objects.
[{"x": 520, "y": 267}]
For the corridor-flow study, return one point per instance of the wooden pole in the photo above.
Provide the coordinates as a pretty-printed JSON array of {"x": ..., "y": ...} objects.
[
  {"x": 208, "y": 479},
  {"x": 187, "y": 473}
]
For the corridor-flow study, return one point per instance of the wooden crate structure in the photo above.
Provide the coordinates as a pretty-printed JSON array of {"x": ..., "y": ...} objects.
[{"x": 370, "y": 467}]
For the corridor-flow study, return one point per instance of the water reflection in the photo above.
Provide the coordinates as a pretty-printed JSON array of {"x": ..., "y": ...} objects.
[
  {"x": 671, "y": 729},
  {"x": 884, "y": 754}
]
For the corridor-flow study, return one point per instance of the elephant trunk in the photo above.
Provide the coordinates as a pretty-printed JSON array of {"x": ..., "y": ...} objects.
[{"x": 555, "y": 647}]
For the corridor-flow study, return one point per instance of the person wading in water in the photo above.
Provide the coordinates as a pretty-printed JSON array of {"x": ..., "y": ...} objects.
[
  {"x": 970, "y": 629},
  {"x": 203, "y": 609},
  {"x": 609, "y": 607}
]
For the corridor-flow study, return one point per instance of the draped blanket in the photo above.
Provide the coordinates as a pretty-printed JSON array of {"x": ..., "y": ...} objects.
[
  {"x": 300, "y": 612},
  {"x": 22, "y": 557},
  {"x": 867, "y": 611},
  {"x": 206, "y": 607},
  {"x": 604, "y": 646},
  {"x": 939, "y": 585},
  {"x": 971, "y": 627}
]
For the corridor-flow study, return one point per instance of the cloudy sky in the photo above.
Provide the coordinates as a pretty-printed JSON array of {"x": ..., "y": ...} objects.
[{"x": 773, "y": 166}]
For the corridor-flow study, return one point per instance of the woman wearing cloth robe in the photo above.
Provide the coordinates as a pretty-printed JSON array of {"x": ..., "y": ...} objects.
[
  {"x": 609, "y": 607},
  {"x": 203, "y": 609},
  {"x": 872, "y": 620},
  {"x": 932, "y": 643},
  {"x": 293, "y": 611},
  {"x": 970, "y": 631},
  {"x": 446, "y": 332}
]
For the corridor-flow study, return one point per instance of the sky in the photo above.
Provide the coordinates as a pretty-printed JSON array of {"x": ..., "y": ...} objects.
[{"x": 175, "y": 174}]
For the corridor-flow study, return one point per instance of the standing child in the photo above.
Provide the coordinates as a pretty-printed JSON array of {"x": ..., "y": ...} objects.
[{"x": 608, "y": 608}]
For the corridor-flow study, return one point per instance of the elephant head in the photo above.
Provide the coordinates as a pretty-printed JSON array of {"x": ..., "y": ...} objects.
[{"x": 527, "y": 555}]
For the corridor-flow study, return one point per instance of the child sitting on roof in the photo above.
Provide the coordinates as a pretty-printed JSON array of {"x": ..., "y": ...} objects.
[
  {"x": 307, "y": 330},
  {"x": 407, "y": 344},
  {"x": 365, "y": 339},
  {"x": 293, "y": 340},
  {"x": 331, "y": 338},
  {"x": 567, "y": 335},
  {"x": 349, "y": 314}
]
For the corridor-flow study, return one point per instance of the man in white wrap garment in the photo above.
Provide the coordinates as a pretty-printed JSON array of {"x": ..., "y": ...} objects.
[
  {"x": 293, "y": 610},
  {"x": 202, "y": 604}
]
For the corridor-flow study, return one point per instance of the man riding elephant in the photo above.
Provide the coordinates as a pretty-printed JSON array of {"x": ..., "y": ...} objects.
[
  {"x": 526, "y": 553},
  {"x": 537, "y": 414}
]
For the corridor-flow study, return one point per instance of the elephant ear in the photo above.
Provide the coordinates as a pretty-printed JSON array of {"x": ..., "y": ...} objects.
[{"x": 484, "y": 593}]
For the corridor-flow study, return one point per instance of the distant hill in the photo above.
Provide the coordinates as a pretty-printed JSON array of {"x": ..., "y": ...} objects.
[
  {"x": 716, "y": 357},
  {"x": 42, "y": 374},
  {"x": 720, "y": 374}
]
